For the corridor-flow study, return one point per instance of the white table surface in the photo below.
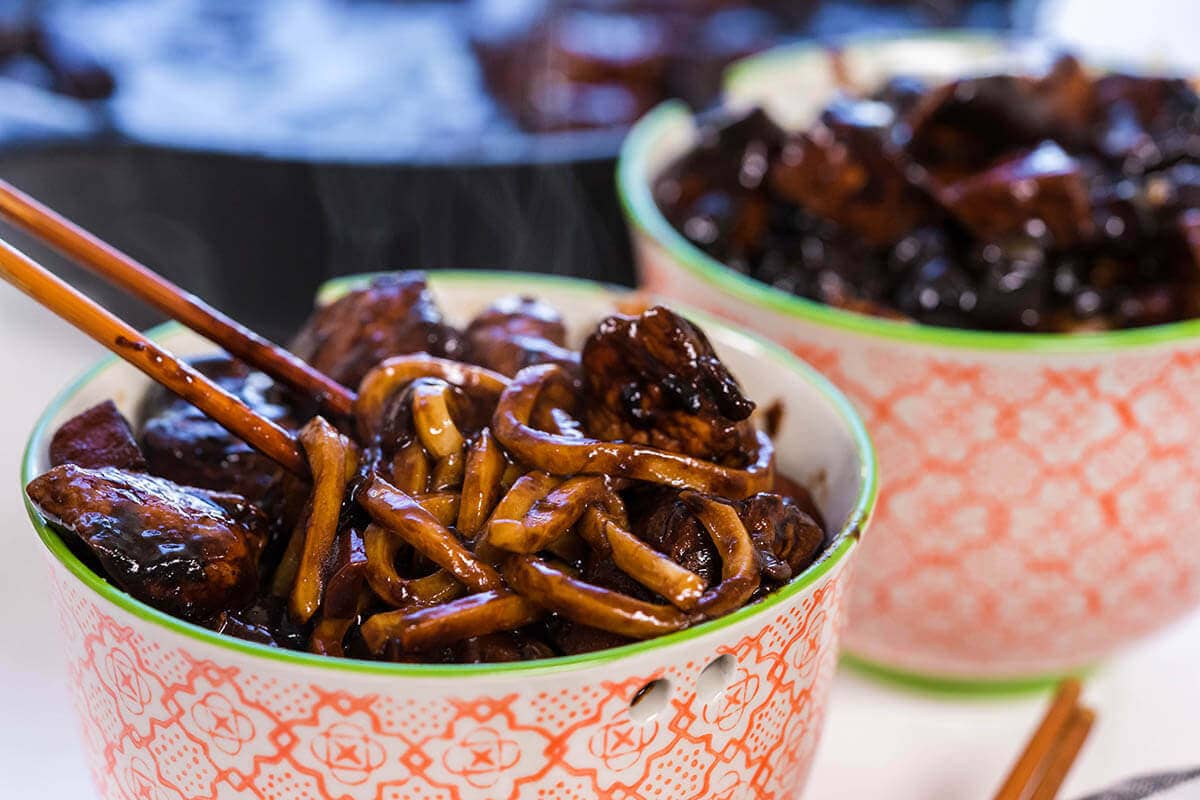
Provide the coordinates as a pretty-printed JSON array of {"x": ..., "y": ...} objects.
[{"x": 879, "y": 743}]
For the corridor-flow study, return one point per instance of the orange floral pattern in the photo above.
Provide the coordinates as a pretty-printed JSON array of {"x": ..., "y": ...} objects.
[
  {"x": 167, "y": 717},
  {"x": 1036, "y": 512}
]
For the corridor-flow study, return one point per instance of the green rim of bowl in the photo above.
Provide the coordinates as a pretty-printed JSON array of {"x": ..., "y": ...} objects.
[
  {"x": 949, "y": 685},
  {"x": 843, "y": 542},
  {"x": 635, "y": 191},
  {"x": 744, "y": 68}
]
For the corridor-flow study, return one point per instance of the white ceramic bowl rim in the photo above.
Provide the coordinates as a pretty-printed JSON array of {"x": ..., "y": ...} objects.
[
  {"x": 840, "y": 546},
  {"x": 635, "y": 189}
]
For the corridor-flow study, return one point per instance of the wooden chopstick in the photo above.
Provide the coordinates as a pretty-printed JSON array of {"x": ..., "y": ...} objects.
[
  {"x": 1053, "y": 748},
  {"x": 176, "y": 375},
  {"x": 104, "y": 260},
  {"x": 1063, "y": 757}
]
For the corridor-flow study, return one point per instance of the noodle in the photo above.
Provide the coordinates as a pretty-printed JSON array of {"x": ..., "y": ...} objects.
[{"x": 568, "y": 455}]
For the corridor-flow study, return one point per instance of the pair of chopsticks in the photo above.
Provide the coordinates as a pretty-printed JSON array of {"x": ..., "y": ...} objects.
[
  {"x": 1053, "y": 748},
  {"x": 124, "y": 272}
]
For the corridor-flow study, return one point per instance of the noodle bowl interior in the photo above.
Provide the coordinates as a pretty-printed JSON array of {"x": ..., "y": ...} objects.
[{"x": 497, "y": 495}]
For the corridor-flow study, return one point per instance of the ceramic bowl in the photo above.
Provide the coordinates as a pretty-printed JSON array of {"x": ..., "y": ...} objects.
[
  {"x": 1040, "y": 492},
  {"x": 729, "y": 709}
]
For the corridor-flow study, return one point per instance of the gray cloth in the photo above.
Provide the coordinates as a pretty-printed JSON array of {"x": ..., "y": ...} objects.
[{"x": 1148, "y": 786}]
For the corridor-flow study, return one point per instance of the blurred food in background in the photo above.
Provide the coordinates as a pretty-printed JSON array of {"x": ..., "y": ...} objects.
[
  {"x": 366, "y": 77},
  {"x": 251, "y": 150},
  {"x": 1053, "y": 201},
  {"x": 29, "y": 51},
  {"x": 585, "y": 64},
  {"x": 578, "y": 64}
]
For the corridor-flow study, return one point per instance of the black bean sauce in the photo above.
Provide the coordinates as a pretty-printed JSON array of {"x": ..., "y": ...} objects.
[{"x": 1056, "y": 202}]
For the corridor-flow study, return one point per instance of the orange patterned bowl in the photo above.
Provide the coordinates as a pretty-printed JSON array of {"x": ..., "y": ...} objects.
[
  {"x": 729, "y": 709},
  {"x": 1040, "y": 492}
]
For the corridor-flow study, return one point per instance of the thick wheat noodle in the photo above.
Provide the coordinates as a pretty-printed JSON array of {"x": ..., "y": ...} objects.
[
  {"x": 588, "y": 604},
  {"x": 564, "y": 424},
  {"x": 333, "y": 460},
  {"x": 524, "y": 492},
  {"x": 483, "y": 476},
  {"x": 431, "y": 417},
  {"x": 549, "y": 517},
  {"x": 555, "y": 409},
  {"x": 381, "y": 383},
  {"x": 400, "y": 513},
  {"x": 410, "y": 468},
  {"x": 443, "y": 505},
  {"x": 569, "y": 547},
  {"x": 382, "y": 576},
  {"x": 658, "y": 573},
  {"x": 392, "y": 588},
  {"x": 346, "y": 589},
  {"x": 289, "y": 563},
  {"x": 448, "y": 472},
  {"x": 741, "y": 570},
  {"x": 328, "y": 634},
  {"x": 512, "y": 473},
  {"x": 514, "y": 505},
  {"x": 564, "y": 455},
  {"x": 436, "y": 587},
  {"x": 448, "y": 623}
]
